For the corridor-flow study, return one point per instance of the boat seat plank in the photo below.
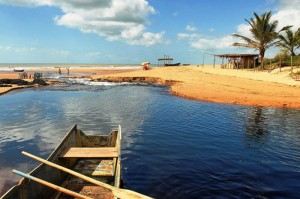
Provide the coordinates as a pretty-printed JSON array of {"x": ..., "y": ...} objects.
[{"x": 90, "y": 152}]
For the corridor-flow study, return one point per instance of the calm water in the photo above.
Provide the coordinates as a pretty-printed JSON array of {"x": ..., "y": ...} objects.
[
  {"x": 12, "y": 66},
  {"x": 171, "y": 147}
]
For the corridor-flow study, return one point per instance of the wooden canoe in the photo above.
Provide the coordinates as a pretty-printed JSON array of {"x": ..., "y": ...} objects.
[
  {"x": 18, "y": 70},
  {"x": 175, "y": 64},
  {"x": 96, "y": 156}
]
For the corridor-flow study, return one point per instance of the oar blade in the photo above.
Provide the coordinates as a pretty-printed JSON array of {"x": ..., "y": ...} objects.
[
  {"x": 125, "y": 193},
  {"x": 120, "y": 193}
]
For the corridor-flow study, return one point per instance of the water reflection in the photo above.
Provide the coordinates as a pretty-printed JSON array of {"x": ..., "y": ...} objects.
[
  {"x": 37, "y": 120},
  {"x": 187, "y": 147},
  {"x": 256, "y": 126}
]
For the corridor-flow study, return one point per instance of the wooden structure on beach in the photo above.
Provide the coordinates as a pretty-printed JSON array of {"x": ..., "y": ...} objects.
[
  {"x": 238, "y": 61},
  {"x": 166, "y": 61}
]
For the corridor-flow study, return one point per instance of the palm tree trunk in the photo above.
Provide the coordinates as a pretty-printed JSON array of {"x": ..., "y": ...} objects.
[
  {"x": 262, "y": 55},
  {"x": 291, "y": 63},
  {"x": 293, "y": 53}
]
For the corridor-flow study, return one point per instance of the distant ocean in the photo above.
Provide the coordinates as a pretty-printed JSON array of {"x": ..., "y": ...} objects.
[{"x": 11, "y": 66}]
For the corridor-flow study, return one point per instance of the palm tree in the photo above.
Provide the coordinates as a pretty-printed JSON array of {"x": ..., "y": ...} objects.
[
  {"x": 264, "y": 34},
  {"x": 290, "y": 42}
]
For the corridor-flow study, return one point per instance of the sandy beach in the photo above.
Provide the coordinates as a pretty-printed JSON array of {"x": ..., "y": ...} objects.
[
  {"x": 205, "y": 83},
  {"x": 253, "y": 88}
]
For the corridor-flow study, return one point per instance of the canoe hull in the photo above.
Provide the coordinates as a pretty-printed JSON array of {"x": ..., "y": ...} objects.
[
  {"x": 19, "y": 70},
  {"x": 74, "y": 138},
  {"x": 175, "y": 64}
]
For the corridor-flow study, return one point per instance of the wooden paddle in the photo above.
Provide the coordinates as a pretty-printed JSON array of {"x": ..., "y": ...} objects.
[
  {"x": 53, "y": 186},
  {"x": 120, "y": 193}
]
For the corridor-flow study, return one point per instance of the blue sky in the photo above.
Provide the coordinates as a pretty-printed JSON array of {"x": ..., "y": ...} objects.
[{"x": 129, "y": 31}]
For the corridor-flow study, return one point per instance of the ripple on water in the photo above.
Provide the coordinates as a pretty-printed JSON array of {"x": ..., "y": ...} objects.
[{"x": 171, "y": 147}]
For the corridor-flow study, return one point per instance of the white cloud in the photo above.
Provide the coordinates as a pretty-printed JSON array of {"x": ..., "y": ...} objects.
[
  {"x": 244, "y": 29},
  {"x": 115, "y": 20},
  {"x": 148, "y": 39},
  {"x": 190, "y": 28},
  {"x": 206, "y": 42},
  {"x": 93, "y": 54},
  {"x": 17, "y": 49},
  {"x": 66, "y": 4},
  {"x": 24, "y": 50},
  {"x": 288, "y": 13},
  {"x": 5, "y": 48},
  {"x": 61, "y": 53}
]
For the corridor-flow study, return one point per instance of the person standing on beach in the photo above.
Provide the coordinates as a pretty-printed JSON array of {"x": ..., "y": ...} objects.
[
  {"x": 59, "y": 71},
  {"x": 145, "y": 65},
  {"x": 68, "y": 70}
]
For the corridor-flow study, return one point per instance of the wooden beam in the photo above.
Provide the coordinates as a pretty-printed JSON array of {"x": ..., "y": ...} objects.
[{"x": 90, "y": 152}]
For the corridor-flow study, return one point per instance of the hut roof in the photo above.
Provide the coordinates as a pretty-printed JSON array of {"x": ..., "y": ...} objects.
[
  {"x": 166, "y": 58},
  {"x": 237, "y": 55}
]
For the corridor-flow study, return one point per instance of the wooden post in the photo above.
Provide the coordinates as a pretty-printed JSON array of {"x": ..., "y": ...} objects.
[
  {"x": 243, "y": 62},
  {"x": 280, "y": 63},
  {"x": 227, "y": 63},
  {"x": 248, "y": 64},
  {"x": 222, "y": 62},
  {"x": 214, "y": 61},
  {"x": 291, "y": 63}
]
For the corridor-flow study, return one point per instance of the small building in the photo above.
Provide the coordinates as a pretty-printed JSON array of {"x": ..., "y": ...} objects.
[{"x": 239, "y": 61}]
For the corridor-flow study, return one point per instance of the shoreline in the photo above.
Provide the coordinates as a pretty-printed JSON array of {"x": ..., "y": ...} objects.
[
  {"x": 75, "y": 72},
  {"x": 229, "y": 86}
]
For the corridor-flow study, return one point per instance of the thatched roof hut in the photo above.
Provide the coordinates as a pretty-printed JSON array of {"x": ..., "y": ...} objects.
[{"x": 239, "y": 61}]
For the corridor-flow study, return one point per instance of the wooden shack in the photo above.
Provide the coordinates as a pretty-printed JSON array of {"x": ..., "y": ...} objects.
[{"x": 239, "y": 61}]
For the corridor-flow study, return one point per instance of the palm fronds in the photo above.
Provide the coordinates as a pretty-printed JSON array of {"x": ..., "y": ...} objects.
[
  {"x": 263, "y": 31},
  {"x": 290, "y": 41}
]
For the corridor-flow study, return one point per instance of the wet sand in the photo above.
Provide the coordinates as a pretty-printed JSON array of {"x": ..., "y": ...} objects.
[
  {"x": 74, "y": 72},
  {"x": 253, "y": 88}
]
